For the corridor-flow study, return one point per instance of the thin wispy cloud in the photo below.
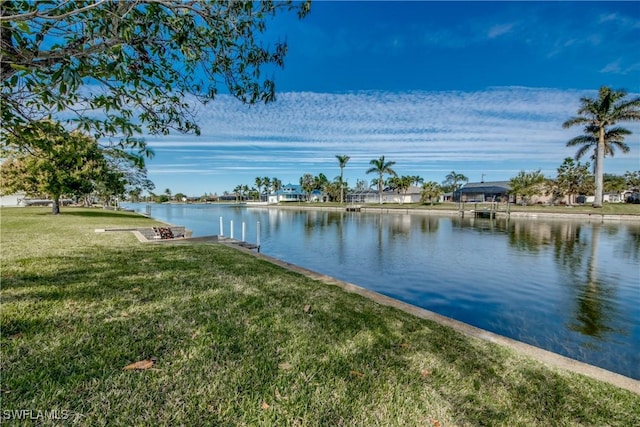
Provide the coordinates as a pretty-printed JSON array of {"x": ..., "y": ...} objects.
[
  {"x": 621, "y": 66},
  {"x": 510, "y": 128},
  {"x": 499, "y": 30},
  {"x": 433, "y": 86}
]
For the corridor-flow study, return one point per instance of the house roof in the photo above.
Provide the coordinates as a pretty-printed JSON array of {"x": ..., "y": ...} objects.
[
  {"x": 290, "y": 189},
  {"x": 486, "y": 187}
]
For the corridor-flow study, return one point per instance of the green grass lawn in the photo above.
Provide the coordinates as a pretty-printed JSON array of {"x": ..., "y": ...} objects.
[{"x": 236, "y": 340}]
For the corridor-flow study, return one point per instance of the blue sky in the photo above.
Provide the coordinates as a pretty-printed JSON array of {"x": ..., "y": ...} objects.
[{"x": 481, "y": 88}]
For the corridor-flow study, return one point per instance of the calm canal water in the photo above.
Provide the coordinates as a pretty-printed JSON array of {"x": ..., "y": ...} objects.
[{"x": 566, "y": 286}]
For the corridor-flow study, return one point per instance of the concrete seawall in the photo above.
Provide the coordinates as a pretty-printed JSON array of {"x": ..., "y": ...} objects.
[
  {"x": 452, "y": 212},
  {"x": 546, "y": 357}
]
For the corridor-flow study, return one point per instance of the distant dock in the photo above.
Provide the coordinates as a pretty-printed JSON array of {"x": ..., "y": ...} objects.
[{"x": 488, "y": 212}]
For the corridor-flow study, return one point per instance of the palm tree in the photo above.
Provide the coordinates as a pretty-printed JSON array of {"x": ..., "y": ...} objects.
[
  {"x": 613, "y": 138},
  {"x": 381, "y": 167},
  {"x": 276, "y": 184},
  {"x": 266, "y": 182},
  {"x": 417, "y": 180},
  {"x": 258, "y": 181},
  {"x": 454, "y": 180},
  {"x": 308, "y": 184},
  {"x": 342, "y": 160},
  {"x": 244, "y": 192},
  {"x": 237, "y": 191},
  {"x": 598, "y": 115},
  {"x": 402, "y": 185},
  {"x": 430, "y": 190}
]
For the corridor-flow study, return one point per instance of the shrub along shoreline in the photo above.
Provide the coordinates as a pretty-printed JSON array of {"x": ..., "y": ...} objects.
[{"x": 221, "y": 337}]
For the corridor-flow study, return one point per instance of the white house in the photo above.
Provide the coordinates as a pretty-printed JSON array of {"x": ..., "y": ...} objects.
[
  {"x": 293, "y": 193},
  {"x": 412, "y": 195},
  {"x": 12, "y": 199}
]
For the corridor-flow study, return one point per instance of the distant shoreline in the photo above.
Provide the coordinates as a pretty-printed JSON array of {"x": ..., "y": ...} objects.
[
  {"x": 453, "y": 212},
  {"x": 531, "y": 212}
]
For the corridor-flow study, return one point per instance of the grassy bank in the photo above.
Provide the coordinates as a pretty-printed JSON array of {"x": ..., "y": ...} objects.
[{"x": 235, "y": 340}]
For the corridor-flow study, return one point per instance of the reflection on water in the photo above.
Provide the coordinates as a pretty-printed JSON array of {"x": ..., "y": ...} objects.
[
  {"x": 595, "y": 298},
  {"x": 566, "y": 286}
]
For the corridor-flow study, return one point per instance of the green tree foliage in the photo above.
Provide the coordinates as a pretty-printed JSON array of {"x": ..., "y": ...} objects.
[
  {"x": 237, "y": 191},
  {"x": 614, "y": 183},
  {"x": 573, "y": 179},
  {"x": 263, "y": 185},
  {"x": 526, "y": 185},
  {"x": 332, "y": 190},
  {"x": 308, "y": 184},
  {"x": 258, "y": 181},
  {"x": 276, "y": 184},
  {"x": 381, "y": 167},
  {"x": 598, "y": 115},
  {"x": 109, "y": 184},
  {"x": 613, "y": 139},
  {"x": 417, "y": 180},
  {"x": 121, "y": 67},
  {"x": 400, "y": 184},
  {"x": 266, "y": 183},
  {"x": 52, "y": 161},
  {"x": 430, "y": 190},
  {"x": 632, "y": 179},
  {"x": 241, "y": 192},
  {"x": 320, "y": 182},
  {"x": 453, "y": 181},
  {"x": 361, "y": 185}
]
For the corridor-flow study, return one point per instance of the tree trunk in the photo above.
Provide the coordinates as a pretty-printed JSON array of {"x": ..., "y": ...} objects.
[
  {"x": 341, "y": 188},
  {"x": 55, "y": 206},
  {"x": 597, "y": 202}
]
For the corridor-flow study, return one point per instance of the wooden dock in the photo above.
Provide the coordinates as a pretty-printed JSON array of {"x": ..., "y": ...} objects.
[
  {"x": 485, "y": 210},
  {"x": 235, "y": 242}
]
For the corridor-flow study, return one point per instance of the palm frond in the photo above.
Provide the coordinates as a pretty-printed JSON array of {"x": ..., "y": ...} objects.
[
  {"x": 582, "y": 151},
  {"x": 582, "y": 139}
]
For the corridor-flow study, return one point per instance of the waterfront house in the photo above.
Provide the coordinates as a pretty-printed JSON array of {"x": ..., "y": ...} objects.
[
  {"x": 294, "y": 193},
  {"x": 489, "y": 191},
  {"x": 369, "y": 195}
]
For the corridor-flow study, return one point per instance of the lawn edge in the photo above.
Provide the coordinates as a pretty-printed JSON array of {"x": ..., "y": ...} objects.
[{"x": 544, "y": 356}]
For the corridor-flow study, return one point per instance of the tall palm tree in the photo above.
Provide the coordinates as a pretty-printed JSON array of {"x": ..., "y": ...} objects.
[
  {"x": 613, "y": 138},
  {"x": 342, "y": 160},
  {"x": 598, "y": 115},
  {"x": 381, "y": 167}
]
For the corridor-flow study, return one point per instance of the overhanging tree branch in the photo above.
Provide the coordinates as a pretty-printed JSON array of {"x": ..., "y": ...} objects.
[{"x": 131, "y": 64}]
